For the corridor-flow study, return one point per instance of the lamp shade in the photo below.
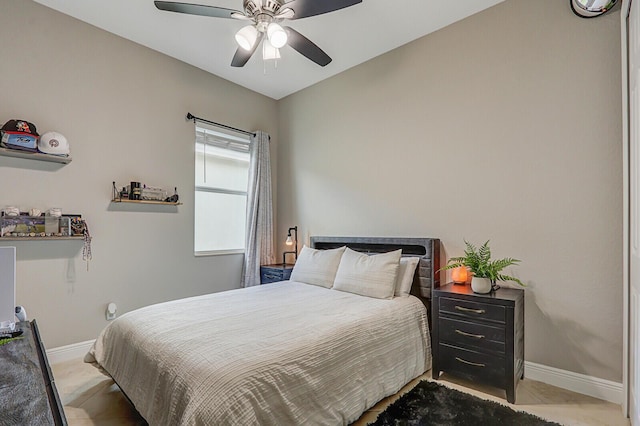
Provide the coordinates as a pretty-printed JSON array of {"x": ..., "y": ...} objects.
[
  {"x": 246, "y": 37},
  {"x": 277, "y": 35},
  {"x": 459, "y": 275},
  {"x": 289, "y": 242}
]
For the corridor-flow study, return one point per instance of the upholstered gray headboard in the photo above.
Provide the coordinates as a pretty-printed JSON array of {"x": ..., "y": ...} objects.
[{"x": 427, "y": 274}]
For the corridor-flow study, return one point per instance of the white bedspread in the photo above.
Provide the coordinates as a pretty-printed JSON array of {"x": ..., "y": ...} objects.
[{"x": 278, "y": 354}]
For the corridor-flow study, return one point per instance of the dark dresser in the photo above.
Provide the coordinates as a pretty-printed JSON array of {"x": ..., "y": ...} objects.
[
  {"x": 275, "y": 273},
  {"x": 28, "y": 395},
  {"x": 479, "y": 337}
]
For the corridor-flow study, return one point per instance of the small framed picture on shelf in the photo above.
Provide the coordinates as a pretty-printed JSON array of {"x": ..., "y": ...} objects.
[{"x": 76, "y": 224}]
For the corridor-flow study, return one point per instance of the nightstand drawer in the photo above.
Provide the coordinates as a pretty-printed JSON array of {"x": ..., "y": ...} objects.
[
  {"x": 275, "y": 273},
  {"x": 468, "y": 333},
  {"x": 472, "y": 310},
  {"x": 271, "y": 277},
  {"x": 472, "y": 365}
]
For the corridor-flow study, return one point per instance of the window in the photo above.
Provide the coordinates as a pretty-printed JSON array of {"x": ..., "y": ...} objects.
[{"x": 222, "y": 174}]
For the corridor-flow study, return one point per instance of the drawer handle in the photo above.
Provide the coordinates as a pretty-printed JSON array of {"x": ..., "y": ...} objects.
[
  {"x": 475, "y": 311},
  {"x": 475, "y": 364},
  {"x": 475, "y": 336}
]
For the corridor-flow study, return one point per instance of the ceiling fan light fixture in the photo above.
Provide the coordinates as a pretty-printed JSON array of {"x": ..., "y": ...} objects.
[
  {"x": 265, "y": 15},
  {"x": 269, "y": 51},
  {"x": 247, "y": 37},
  {"x": 277, "y": 35}
]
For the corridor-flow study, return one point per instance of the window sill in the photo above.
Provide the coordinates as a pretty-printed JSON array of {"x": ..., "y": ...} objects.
[{"x": 217, "y": 252}]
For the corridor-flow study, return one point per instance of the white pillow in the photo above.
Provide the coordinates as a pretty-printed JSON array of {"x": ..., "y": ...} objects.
[
  {"x": 373, "y": 276},
  {"x": 317, "y": 267},
  {"x": 405, "y": 275}
]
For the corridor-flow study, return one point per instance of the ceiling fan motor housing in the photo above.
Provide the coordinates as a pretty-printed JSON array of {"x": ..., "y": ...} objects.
[{"x": 268, "y": 7}]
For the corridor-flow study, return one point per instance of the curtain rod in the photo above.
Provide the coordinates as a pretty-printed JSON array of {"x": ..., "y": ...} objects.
[{"x": 213, "y": 123}]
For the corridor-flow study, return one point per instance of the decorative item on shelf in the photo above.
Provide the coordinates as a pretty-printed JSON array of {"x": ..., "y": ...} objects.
[
  {"x": 28, "y": 226},
  {"x": 174, "y": 198},
  {"x": 35, "y": 225},
  {"x": 152, "y": 193},
  {"x": 86, "y": 248},
  {"x": 459, "y": 275},
  {"x": 20, "y": 135},
  {"x": 54, "y": 212},
  {"x": 11, "y": 211},
  {"x": 136, "y": 192},
  {"x": 53, "y": 143},
  {"x": 78, "y": 225},
  {"x": 485, "y": 272},
  {"x": 20, "y": 139},
  {"x": 291, "y": 242}
]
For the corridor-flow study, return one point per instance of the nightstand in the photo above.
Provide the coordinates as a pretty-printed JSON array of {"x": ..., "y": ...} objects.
[
  {"x": 274, "y": 273},
  {"x": 479, "y": 337}
]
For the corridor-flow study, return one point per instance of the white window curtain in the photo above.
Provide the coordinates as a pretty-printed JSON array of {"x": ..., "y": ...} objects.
[{"x": 259, "y": 233}]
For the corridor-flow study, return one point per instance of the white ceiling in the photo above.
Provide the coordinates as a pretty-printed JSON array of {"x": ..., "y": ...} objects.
[{"x": 350, "y": 36}]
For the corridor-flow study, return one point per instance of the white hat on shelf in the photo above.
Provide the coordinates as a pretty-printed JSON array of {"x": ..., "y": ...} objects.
[{"x": 53, "y": 143}]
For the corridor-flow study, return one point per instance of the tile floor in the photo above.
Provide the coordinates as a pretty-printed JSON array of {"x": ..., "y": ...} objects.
[{"x": 91, "y": 398}]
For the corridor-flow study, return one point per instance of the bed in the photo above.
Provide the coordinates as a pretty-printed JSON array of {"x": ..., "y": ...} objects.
[{"x": 279, "y": 354}]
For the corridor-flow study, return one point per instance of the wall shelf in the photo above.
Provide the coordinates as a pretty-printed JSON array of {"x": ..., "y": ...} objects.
[
  {"x": 34, "y": 156},
  {"x": 16, "y": 228},
  {"x": 163, "y": 203}
]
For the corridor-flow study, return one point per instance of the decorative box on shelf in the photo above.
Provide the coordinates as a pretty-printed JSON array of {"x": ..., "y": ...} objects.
[{"x": 37, "y": 227}]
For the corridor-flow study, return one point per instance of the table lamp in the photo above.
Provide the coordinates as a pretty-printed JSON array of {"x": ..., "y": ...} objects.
[{"x": 291, "y": 242}]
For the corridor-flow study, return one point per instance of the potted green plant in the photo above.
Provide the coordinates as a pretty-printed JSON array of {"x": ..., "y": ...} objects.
[{"x": 485, "y": 271}]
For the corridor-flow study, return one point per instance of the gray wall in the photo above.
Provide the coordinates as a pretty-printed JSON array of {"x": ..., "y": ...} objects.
[
  {"x": 122, "y": 107},
  {"x": 505, "y": 126}
]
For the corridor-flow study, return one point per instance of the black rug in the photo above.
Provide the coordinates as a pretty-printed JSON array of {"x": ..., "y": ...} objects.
[{"x": 432, "y": 404}]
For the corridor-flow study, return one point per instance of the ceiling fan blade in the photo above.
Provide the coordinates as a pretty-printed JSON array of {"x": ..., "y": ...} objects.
[
  {"x": 306, "y": 8},
  {"x": 242, "y": 56},
  {"x": 196, "y": 9},
  {"x": 306, "y": 47}
]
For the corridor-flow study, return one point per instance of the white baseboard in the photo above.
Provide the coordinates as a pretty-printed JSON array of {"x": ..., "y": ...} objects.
[
  {"x": 575, "y": 382},
  {"x": 69, "y": 352}
]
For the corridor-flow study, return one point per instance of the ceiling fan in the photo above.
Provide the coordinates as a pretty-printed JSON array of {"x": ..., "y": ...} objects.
[{"x": 265, "y": 17}]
